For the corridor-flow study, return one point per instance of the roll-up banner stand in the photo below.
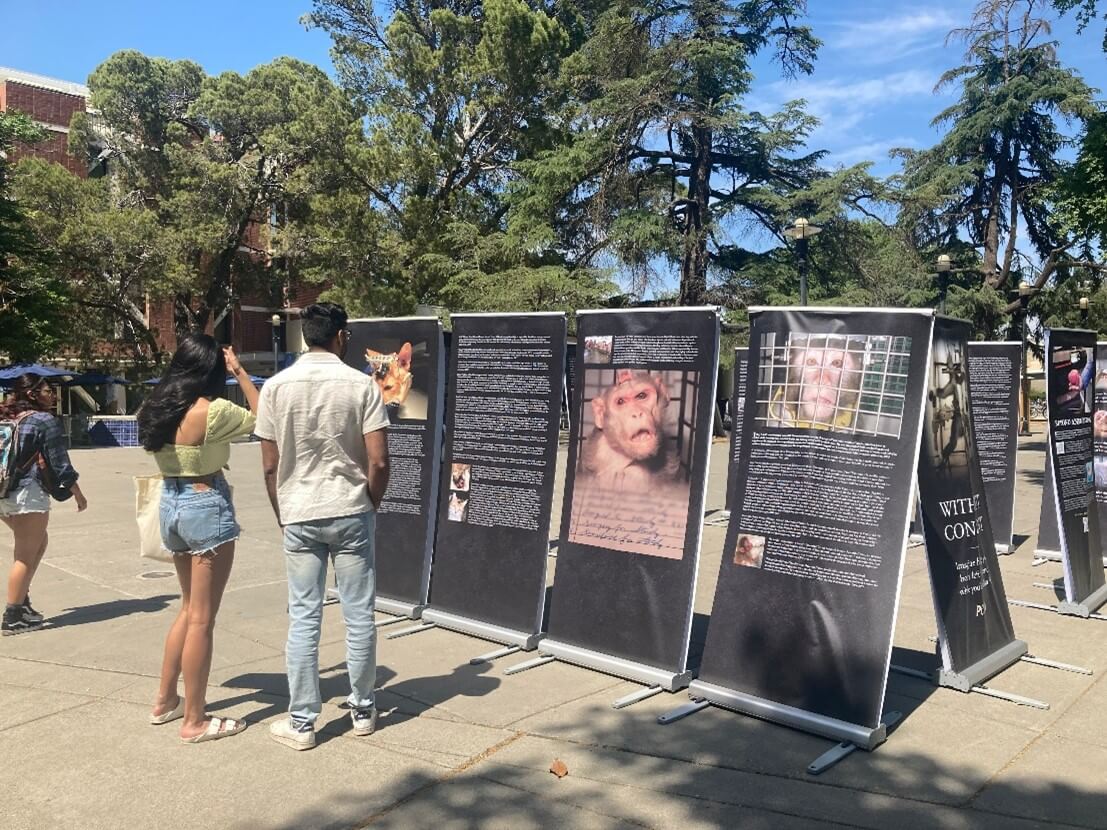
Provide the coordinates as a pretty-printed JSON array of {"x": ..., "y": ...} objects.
[
  {"x": 975, "y": 637},
  {"x": 405, "y": 357},
  {"x": 737, "y": 413},
  {"x": 1049, "y": 542},
  {"x": 994, "y": 392},
  {"x": 805, "y": 606},
  {"x": 505, "y": 388},
  {"x": 1070, "y": 401},
  {"x": 634, "y": 493}
]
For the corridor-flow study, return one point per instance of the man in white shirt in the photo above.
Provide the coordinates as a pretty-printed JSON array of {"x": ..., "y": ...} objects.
[{"x": 325, "y": 458}]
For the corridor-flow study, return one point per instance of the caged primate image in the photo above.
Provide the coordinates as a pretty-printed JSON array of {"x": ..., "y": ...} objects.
[{"x": 628, "y": 447}]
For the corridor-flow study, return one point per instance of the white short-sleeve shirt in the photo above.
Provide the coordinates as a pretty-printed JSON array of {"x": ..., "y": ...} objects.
[{"x": 317, "y": 412}]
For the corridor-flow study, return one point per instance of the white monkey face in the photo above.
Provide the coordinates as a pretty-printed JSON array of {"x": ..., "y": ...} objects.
[
  {"x": 827, "y": 376},
  {"x": 631, "y": 418}
]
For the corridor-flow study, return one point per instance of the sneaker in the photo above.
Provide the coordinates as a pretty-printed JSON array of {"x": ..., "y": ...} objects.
[
  {"x": 286, "y": 732},
  {"x": 16, "y": 622},
  {"x": 29, "y": 613},
  {"x": 365, "y": 720}
]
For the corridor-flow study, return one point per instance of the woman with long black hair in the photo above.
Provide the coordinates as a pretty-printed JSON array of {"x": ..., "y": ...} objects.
[
  {"x": 188, "y": 427},
  {"x": 42, "y": 467}
]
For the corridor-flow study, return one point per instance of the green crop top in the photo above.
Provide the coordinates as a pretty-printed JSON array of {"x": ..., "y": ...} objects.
[{"x": 226, "y": 421}]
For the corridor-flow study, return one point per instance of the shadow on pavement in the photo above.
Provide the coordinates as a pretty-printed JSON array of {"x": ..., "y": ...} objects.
[{"x": 103, "y": 611}]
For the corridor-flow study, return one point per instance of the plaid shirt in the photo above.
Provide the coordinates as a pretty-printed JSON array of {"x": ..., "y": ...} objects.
[{"x": 42, "y": 433}]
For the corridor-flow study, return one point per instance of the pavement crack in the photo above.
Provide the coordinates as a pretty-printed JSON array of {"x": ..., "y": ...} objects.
[{"x": 465, "y": 765}]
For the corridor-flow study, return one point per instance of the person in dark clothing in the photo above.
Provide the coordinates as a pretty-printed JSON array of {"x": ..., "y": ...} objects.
[{"x": 44, "y": 468}]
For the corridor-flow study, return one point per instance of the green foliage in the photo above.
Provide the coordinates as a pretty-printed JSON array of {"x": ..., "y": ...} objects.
[
  {"x": 983, "y": 306},
  {"x": 32, "y": 298},
  {"x": 1087, "y": 11},
  {"x": 989, "y": 176},
  {"x": 456, "y": 94},
  {"x": 108, "y": 252},
  {"x": 661, "y": 156},
  {"x": 212, "y": 159}
]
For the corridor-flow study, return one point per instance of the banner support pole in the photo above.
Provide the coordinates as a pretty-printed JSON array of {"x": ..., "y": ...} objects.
[
  {"x": 635, "y": 697},
  {"x": 494, "y": 655},
  {"x": 533, "y": 663},
  {"x": 1053, "y": 664},
  {"x": 407, "y": 632}
]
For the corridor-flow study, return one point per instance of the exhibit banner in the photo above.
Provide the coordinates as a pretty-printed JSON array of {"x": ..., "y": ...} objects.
[
  {"x": 505, "y": 388},
  {"x": 404, "y": 355},
  {"x": 737, "y": 414},
  {"x": 969, "y": 601},
  {"x": 994, "y": 392},
  {"x": 635, "y": 486},
  {"x": 1049, "y": 538},
  {"x": 1070, "y": 399},
  {"x": 805, "y": 604}
]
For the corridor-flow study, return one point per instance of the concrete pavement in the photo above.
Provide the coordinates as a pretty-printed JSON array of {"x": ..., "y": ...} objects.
[{"x": 462, "y": 746}]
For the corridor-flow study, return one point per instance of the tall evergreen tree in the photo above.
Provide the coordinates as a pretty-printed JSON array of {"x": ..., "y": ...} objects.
[
  {"x": 664, "y": 157},
  {"x": 989, "y": 177}
]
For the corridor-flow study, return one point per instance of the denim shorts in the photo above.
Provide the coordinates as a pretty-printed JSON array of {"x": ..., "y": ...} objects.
[
  {"x": 27, "y": 497},
  {"x": 196, "y": 518}
]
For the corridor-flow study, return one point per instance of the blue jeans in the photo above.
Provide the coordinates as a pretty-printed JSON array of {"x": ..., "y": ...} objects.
[{"x": 348, "y": 541}]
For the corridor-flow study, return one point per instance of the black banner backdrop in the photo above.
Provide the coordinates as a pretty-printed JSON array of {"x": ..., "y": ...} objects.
[
  {"x": 634, "y": 491},
  {"x": 737, "y": 414},
  {"x": 405, "y": 356},
  {"x": 1070, "y": 394},
  {"x": 1049, "y": 538},
  {"x": 969, "y": 601},
  {"x": 804, "y": 609},
  {"x": 505, "y": 390},
  {"x": 994, "y": 392}
]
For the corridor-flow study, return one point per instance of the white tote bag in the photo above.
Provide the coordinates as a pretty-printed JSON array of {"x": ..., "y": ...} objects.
[{"x": 148, "y": 516}]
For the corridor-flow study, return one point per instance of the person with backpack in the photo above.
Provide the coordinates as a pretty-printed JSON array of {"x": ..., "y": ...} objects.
[
  {"x": 189, "y": 428},
  {"x": 34, "y": 467}
]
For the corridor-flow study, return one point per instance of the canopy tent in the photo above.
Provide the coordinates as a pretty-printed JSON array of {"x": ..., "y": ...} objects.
[
  {"x": 257, "y": 381},
  {"x": 10, "y": 373}
]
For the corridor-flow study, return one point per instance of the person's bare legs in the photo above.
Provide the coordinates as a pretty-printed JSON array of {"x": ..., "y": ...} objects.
[
  {"x": 29, "y": 530},
  {"x": 168, "y": 698},
  {"x": 209, "y": 576}
]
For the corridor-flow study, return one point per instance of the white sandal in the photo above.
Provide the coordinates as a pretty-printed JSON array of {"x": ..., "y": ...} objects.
[
  {"x": 215, "y": 730},
  {"x": 170, "y": 716}
]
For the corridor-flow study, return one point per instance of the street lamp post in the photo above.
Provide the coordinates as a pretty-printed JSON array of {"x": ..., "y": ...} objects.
[
  {"x": 801, "y": 231},
  {"x": 1084, "y": 311},
  {"x": 1025, "y": 292},
  {"x": 275, "y": 320},
  {"x": 944, "y": 265}
]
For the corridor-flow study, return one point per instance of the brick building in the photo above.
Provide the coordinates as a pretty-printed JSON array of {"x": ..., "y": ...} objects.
[{"x": 249, "y": 325}]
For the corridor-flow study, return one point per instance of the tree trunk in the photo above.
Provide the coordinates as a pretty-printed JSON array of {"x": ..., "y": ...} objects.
[{"x": 693, "y": 267}]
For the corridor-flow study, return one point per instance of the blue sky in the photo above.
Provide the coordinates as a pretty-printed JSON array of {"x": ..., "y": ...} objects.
[{"x": 872, "y": 87}]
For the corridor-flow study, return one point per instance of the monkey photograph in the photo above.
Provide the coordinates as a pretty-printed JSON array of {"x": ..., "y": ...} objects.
[
  {"x": 458, "y": 507},
  {"x": 459, "y": 477},
  {"x": 1071, "y": 375},
  {"x": 633, "y": 477},
  {"x": 598, "y": 349},
  {"x": 947, "y": 407},
  {"x": 841, "y": 382},
  {"x": 749, "y": 550}
]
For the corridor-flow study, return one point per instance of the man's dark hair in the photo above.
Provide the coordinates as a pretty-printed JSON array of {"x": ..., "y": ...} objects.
[{"x": 322, "y": 322}]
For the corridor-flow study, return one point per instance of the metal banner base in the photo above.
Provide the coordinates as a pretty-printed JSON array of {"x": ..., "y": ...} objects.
[
  {"x": 862, "y": 737},
  {"x": 626, "y": 669},
  {"x": 1084, "y": 609},
  {"x": 1004, "y": 550},
  {"x": 399, "y": 608},
  {"x": 1046, "y": 555},
  {"x": 984, "y": 669},
  {"x": 485, "y": 631}
]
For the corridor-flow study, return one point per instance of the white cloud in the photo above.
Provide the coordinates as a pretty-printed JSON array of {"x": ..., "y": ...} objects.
[
  {"x": 895, "y": 37},
  {"x": 875, "y": 151}
]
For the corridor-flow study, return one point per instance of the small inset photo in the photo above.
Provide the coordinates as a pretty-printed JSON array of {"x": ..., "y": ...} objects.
[
  {"x": 749, "y": 550},
  {"x": 598, "y": 349},
  {"x": 459, "y": 477},
  {"x": 459, "y": 507}
]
